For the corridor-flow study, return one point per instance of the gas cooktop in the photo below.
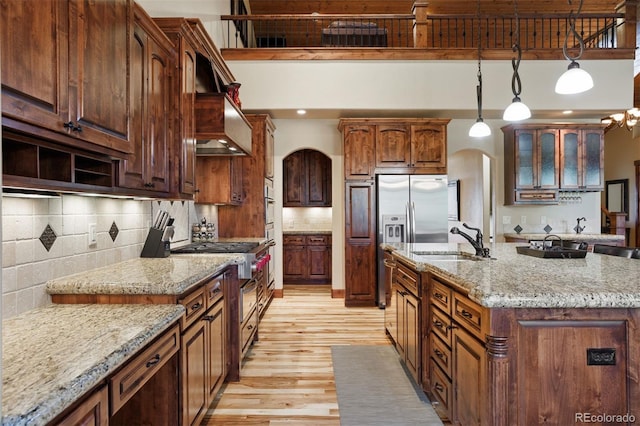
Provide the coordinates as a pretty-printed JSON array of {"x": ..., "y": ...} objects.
[{"x": 217, "y": 247}]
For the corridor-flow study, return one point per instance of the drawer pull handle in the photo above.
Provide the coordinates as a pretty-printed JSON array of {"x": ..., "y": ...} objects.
[
  {"x": 250, "y": 327},
  {"x": 438, "y": 296},
  {"x": 438, "y": 387},
  {"x": 438, "y": 324},
  {"x": 438, "y": 353},
  {"x": 153, "y": 361},
  {"x": 452, "y": 327},
  {"x": 466, "y": 314},
  {"x": 196, "y": 306},
  {"x": 209, "y": 318}
]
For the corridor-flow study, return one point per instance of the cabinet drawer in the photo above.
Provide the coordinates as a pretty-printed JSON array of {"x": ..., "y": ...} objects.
[
  {"x": 294, "y": 240},
  {"x": 408, "y": 278},
  {"x": 140, "y": 369},
  {"x": 468, "y": 314},
  {"x": 537, "y": 196},
  {"x": 440, "y": 295},
  {"x": 318, "y": 240},
  {"x": 441, "y": 325},
  {"x": 249, "y": 330},
  {"x": 442, "y": 391},
  {"x": 213, "y": 291},
  {"x": 440, "y": 353},
  {"x": 195, "y": 304}
]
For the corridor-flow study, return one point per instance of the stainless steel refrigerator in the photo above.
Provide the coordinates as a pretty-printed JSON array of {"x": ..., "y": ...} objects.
[{"x": 411, "y": 209}]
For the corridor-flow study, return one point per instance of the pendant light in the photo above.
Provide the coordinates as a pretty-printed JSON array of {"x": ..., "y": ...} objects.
[
  {"x": 517, "y": 111},
  {"x": 480, "y": 129},
  {"x": 574, "y": 80}
]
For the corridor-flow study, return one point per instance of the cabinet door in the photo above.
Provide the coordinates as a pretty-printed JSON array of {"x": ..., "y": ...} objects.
[
  {"x": 392, "y": 145},
  {"x": 34, "y": 56},
  {"x": 359, "y": 151},
  {"x": 187, "y": 123},
  {"x": 570, "y": 167},
  {"x": 219, "y": 180},
  {"x": 93, "y": 411},
  {"x": 360, "y": 244},
  {"x": 547, "y": 159},
  {"x": 194, "y": 373},
  {"x": 295, "y": 262},
  {"x": 147, "y": 167},
  {"x": 318, "y": 176},
  {"x": 593, "y": 159},
  {"x": 401, "y": 304},
  {"x": 216, "y": 336},
  {"x": 469, "y": 365},
  {"x": 295, "y": 183},
  {"x": 319, "y": 261},
  {"x": 100, "y": 89},
  {"x": 269, "y": 142},
  {"x": 412, "y": 332},
  {"x": 525, "y": 165},
  {"x": 429, "y": 147}
]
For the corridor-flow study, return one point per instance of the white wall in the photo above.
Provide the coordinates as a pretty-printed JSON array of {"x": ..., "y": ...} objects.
[{"x": 322, "y": 135}]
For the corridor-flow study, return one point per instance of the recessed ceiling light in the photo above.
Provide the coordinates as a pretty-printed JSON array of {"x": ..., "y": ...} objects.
[
  {"x": 301, "y": 112},
  {"x": 567, "y": 112}
]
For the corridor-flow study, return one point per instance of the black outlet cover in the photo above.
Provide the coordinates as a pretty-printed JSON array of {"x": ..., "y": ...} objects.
[{"x": 601, "y": 356}]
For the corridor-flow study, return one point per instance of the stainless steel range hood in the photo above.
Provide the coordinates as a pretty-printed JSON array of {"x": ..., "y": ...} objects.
[{"x": 221, "y": 128}]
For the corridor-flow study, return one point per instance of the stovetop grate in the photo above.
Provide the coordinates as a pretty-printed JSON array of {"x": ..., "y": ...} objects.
[{"x": 217, "y": 247}]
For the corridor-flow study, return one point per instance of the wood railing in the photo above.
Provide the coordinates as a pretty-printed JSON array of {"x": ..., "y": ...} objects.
[{"x": 541, "y": 36}]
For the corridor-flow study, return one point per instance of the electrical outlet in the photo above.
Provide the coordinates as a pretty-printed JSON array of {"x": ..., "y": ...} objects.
[
  {"x": 543, "y": 220},
  {"x": 523, "y": 220},
  {"x": 506, "y": 220},
  {"x": 93, "y": 237}
]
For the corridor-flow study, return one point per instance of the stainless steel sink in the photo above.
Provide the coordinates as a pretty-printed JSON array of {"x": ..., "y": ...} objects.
[{"x": 447, "y": 256}]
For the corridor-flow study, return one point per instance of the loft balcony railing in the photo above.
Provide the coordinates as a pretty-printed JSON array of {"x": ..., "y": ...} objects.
[{"x": 541, "y": 36}]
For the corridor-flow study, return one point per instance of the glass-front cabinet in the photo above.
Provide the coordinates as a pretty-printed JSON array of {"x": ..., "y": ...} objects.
[
  {"x": 582, "y": 159},
  {"x": 537, "y": 158}
]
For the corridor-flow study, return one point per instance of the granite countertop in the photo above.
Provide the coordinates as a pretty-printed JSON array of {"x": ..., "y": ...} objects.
[
  {"x": 514, "y": 280},
  {"x": 52, "y": 356},
  {"x": 307, "y": 232},
  {"x": 171, "y": 275},
  {"x": 567, "y": 236}
]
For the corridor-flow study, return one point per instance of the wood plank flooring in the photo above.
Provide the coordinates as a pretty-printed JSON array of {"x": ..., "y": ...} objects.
[{"x": 287, "y": 377}]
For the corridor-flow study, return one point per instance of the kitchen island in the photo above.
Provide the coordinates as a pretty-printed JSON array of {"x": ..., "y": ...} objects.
[{"x": 516, "y": 339}]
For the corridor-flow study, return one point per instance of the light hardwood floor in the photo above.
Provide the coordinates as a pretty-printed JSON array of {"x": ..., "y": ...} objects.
[{"x": 287, "y": 377}]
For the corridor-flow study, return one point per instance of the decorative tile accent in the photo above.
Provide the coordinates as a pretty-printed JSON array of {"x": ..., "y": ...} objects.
[
  {"x": 113, "y": 231},
  {"x": 518, "y": 229},
  {"x": 547, "y": 229},
  {"x": 48, "y": 237}
]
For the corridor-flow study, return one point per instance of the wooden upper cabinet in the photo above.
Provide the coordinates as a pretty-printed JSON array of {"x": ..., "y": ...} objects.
[
  {"x": 219, "y": 180},
  {"x": 152, "y": 63},
  {"x": 359, "y": 150},
  {"x": 307, "y": 179},
  {"x": 582, "y": 159},
  {"x": 393, "y": 145},
  {"x": 269, "y": 142},
  {"x": 429, "y": 147},
  {"x": 66, "y": 69}
]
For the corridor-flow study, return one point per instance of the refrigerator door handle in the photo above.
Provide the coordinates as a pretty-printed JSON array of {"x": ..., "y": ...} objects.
[
  {"x": 413, "y": 222},
  {"x": 407, "y": 227}
]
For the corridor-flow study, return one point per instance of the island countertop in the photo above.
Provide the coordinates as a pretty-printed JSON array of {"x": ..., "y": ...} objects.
[
  {"x": 54, "y": 355},
  {"x": 171, "y": 275},
  {"x": 513, "y": 280}
]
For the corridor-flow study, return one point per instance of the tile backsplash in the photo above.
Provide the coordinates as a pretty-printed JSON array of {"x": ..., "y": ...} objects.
[
  {"x": 306, "y": 218},
  {"x": 27, "y": 264}
]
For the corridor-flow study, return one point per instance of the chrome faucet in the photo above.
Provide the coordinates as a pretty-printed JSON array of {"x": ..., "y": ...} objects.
[
  {"x": 476, "y": 243},
  {"x": 579, "y": 228}
]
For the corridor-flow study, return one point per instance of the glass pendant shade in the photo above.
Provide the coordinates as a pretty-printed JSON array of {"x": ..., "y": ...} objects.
[
  {"x": 574, "y": 80},
  {"x": 480, "y": 129},
  {"x": 517, "y": 111}
]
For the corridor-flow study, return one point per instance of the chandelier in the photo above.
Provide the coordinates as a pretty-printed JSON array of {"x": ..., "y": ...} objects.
[{"x": 628, "y": 119}]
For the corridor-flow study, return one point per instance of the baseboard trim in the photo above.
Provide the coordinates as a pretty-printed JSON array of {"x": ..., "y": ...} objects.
[
  {"x": 278, "y": 292},
  {"x": 337, "y": 293}
]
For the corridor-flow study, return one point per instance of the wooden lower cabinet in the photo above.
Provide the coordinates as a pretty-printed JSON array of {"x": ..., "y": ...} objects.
[
  {"x": 307, "y": 258},
  {"x": 408, "y": 320},
  {"x": 194, "y": 365},
  {"x": 469, "y": 377},
  {"x": 92, "y": 411}
]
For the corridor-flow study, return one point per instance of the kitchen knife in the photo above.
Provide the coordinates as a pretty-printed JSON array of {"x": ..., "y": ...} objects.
[
  {"x": 165, "y": 219},
  {"x": 156, "y": 220}
]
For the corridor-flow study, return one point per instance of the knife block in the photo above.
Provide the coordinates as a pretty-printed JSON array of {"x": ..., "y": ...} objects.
[{"x": 155, "y": 245}]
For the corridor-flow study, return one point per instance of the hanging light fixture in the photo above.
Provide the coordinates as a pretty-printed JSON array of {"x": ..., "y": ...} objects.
[
  {"x": 627, "y": 119},
  {"x": 574, "y": 80},
  {"x": 517, "y": 110},
  {"x": 480, "y": 129}
]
